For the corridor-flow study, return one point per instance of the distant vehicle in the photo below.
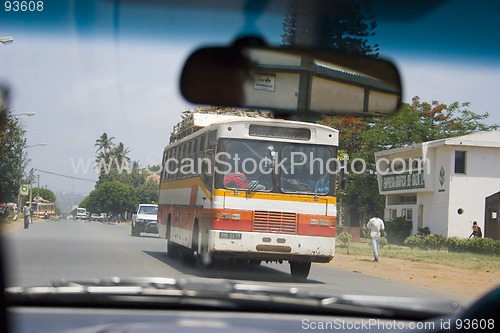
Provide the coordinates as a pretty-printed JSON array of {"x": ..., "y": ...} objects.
[
  {"x": 94, "y": 217},
  {"x": 145, "y": 219},
  {"x": 81, "y": 213},
  {"x": 103, "y": 217}
]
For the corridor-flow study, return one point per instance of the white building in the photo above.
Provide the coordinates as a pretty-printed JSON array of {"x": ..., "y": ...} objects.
[{"x": 441, "y": 184}]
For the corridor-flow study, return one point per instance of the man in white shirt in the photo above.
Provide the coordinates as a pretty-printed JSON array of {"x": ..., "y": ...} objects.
[
  {"x": 375, "y": 225},
  {"x": 27, "y": 215}
]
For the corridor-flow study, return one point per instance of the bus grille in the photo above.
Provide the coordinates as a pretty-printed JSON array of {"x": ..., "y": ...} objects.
[{"x": 275, "y": 222}]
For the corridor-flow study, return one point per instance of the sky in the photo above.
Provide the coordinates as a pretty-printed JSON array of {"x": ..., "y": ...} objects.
[{"x": 118, "y": 73}]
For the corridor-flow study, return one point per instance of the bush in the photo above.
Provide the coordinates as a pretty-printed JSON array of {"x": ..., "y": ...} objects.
[
  {"x": 382, "y": 241},
  {"x": 414, "y": 242},
  {"x": 434, "y": 242},
  {"x": 456, "y": 244},
  {"x": 398, "y": 230},
  {"x": 483, "y": 245},
  {"x": 345, "y": 238},
  {"x": 473, "y": 245}
]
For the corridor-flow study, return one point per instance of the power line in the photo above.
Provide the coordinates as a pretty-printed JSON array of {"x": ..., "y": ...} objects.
[{"x": 66, "y": 176}]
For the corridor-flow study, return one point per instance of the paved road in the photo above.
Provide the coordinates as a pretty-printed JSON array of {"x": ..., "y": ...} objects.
[{"x": 76, "y": 250}]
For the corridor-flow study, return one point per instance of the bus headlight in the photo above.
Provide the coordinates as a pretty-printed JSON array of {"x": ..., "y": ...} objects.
[{"x": 313, "y": 221}]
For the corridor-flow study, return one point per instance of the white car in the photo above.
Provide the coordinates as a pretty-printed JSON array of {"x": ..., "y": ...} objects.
[{"x": 145, "y": 219}]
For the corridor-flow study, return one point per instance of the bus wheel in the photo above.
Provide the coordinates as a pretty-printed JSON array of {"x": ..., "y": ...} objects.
[{"x": 300, "y": 269}]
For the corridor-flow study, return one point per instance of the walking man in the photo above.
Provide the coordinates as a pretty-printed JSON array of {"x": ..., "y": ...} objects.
[
  {"x": 375, "y": 225},
  {"x": 26, "y": 214}
]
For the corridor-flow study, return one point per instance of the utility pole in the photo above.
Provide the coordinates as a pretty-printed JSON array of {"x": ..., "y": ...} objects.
[{"x": 31, "y": 194}]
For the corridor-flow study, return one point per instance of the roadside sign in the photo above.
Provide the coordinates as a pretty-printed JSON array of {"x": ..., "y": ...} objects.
[{"x": 24, "y": 190}]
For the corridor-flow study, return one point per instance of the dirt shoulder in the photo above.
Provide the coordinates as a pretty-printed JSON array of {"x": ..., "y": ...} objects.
[
  {"x": 433, "y": 276},
  {"x": 11, "y": 225}
]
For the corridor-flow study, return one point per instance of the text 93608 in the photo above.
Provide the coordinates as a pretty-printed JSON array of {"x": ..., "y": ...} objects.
[{"x": 23, "y": 6}]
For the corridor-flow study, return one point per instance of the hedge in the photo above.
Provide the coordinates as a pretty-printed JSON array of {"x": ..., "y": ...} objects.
[{"x": 454, "y": 244}]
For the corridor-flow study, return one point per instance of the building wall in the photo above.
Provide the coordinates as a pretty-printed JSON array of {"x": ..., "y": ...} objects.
[
  {"x": 436, "y": 203},
  {"x": 450, "y": 201},
  {"x": 468, "y": 191}
]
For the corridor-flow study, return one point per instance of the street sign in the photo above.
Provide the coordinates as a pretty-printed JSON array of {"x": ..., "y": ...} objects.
[{"x": 24, "y": 190}]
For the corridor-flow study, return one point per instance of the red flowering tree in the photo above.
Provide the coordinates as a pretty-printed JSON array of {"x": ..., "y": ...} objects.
[{"x": 422, "y": 121}]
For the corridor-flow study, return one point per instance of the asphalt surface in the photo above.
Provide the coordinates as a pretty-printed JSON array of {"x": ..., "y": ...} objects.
[{"x": 80, "y": 250}]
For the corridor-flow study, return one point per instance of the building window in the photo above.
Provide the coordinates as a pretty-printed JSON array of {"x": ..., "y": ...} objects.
[
  {"x": 408, "y": 199},
  {"x": 460, "y": 162},
  {"x": 407, "y": 213}
]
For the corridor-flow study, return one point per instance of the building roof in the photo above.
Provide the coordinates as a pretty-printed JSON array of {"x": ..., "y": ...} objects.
[{"x": 479, "y": 139}]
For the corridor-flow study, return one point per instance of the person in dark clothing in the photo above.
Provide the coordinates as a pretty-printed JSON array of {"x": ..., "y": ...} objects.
[{"x": 476, "y": 231}]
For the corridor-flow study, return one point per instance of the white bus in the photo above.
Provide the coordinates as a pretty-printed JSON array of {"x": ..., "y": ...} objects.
[{"x": 251, "y": 189}]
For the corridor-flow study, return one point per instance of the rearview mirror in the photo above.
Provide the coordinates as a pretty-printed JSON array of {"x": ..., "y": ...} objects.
[{"x": 291, "y": 80}]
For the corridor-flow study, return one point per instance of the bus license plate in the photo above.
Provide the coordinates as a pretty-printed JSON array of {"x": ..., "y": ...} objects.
[{"x": 230, "y": 235}]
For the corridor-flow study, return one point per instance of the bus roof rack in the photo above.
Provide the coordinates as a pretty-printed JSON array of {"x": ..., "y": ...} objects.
[{"x": 200, "y": 117}]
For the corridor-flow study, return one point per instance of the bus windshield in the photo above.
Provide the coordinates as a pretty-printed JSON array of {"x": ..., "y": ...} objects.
[
  {"x": 305, "y": 169},
  {"x": 248, "y": 165},
  {"x": 276, "y": 167}
]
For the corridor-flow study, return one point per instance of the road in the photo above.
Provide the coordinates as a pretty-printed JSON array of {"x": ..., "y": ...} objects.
[{"x": 79, "y": 250}]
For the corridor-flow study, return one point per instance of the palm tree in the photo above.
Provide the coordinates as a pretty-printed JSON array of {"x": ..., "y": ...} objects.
[
  {"x": 104, "y": 143},
  {"x": 120, "y": 153},
  {"x": 104, "y": 146}
]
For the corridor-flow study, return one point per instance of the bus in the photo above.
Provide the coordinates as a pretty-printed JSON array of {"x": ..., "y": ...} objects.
[
  {"x": 252, "y": 190},
  {"x": 40, "y": 208}
]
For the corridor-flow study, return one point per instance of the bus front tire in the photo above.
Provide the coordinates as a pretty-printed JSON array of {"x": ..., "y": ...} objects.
[{"x": 300, "y": 269}]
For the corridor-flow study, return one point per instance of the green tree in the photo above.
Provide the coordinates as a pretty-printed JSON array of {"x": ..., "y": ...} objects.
[
  {"x": 111, "y": 197},
  {"x": 117, "y": 168},
  {"x": 12, "y": 156},
  {"x": 148, "y": 192},
  {"x": 398, "y": 230},
  {"x": 343, "y": 25}
]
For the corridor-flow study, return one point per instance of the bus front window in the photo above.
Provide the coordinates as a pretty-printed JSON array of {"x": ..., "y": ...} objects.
[
  {"x": 246, "y": 165},
  {"x": 303, "y": 169}
]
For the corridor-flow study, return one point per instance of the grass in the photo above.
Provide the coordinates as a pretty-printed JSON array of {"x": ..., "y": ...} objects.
[{"x": 469, "y": 261}]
